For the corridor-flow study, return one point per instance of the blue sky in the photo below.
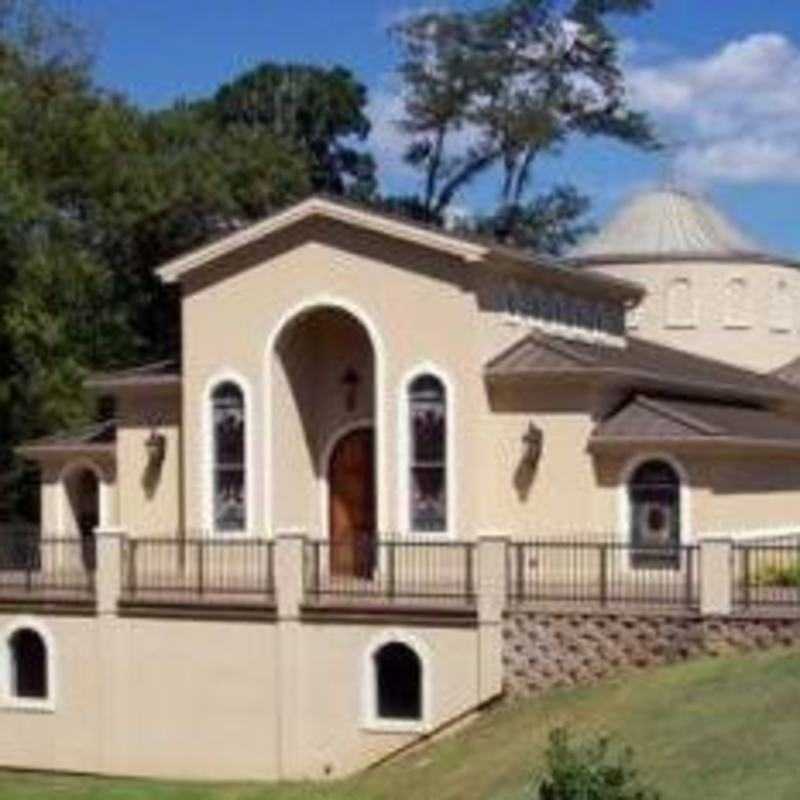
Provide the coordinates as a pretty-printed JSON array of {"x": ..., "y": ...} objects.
[{"x": 721, "y": 76}]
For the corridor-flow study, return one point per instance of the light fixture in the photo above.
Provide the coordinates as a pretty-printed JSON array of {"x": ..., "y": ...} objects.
[
  {"x": 156, "y": 446},
  {"x": 532, "y": 445},
  {"x": 351, "y": 380}
]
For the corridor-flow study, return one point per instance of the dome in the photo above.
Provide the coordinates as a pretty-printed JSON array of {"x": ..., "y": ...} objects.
[{"x": 668, "y": 225}]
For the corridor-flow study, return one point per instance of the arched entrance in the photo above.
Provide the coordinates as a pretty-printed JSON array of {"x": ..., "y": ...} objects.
[
  {"x": 351, "y": 487},
  {"x": 322, "y": 407},
  {"x": 82, "y": 509}
]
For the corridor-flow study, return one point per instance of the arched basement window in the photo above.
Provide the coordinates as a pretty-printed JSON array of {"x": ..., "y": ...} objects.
[
  {"x": 428, "y": 428},
  {"x": 655, "y": 503},
  {"x": 28, "y": 653},
  {"x": 398, "y": 677},
  {"x": 229, "y": 458}
]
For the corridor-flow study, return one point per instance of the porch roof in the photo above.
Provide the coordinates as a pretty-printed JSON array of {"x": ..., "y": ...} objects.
[
  {"x": 640, "y": 364},
  {"x": 97, "y": 439},
  {"x": 165, "y": 373},
  {"x": 467, "y": 247},
  {"x": 660, "y": 421}
]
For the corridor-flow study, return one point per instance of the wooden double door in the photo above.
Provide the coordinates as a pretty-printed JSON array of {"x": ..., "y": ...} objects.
[{"x": 352, "y": 524}]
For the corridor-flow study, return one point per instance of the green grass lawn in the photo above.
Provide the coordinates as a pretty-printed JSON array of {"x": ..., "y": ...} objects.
[{"x": 709, "y": 730}]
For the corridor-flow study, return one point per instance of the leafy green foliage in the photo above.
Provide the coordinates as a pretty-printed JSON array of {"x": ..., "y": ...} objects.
[
  {"x": 589, "y": 770},
  {"x": 778, "y": 575},
  {"x": 497, "y": 88}
]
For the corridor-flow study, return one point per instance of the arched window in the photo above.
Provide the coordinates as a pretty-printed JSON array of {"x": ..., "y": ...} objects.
[
  {"x": 655, "y": 506},
  {"x": 229, "y": 478},
  {"x": 398, "y": 683},
  {"x": 28, "y": 674},
  {"x": 680, "y": 304},
  {"x": 428, "y": 447},
  {"x": 737, "y": 309},
  {"x": 781, "y": 311}
]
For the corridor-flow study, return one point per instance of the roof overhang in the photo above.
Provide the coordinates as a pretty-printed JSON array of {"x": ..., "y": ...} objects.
[
  {"x": 37, "y": 452},
  {"x": 640, "y": 380},
  {"x": 716, "y": 445},
  {"x": 111, "y": 383},
  {"x": 460, "y": 246},
  {"x": 175, "y": 270}
]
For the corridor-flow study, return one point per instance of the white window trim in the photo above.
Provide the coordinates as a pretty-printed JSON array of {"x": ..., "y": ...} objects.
[
  {"x": 370, "y": 721},
  {"x": 404, "y": 454},
  {"x": 379, "y": 356},
  {"x": 745, "y": 322},
  {"x": 624, "y": 504},
  {"x": 11, "y": 702},
  {"x": 103, "y": 493},
  {"x": 363, "y": 423},
  {"x": 781, "y": 290},
  {"x": 680, "y": 321},
  {"x": 209, "y": 527}
]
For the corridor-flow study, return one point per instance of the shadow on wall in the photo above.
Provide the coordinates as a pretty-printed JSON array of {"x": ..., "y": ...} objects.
[{"x": 151, "y": 477}]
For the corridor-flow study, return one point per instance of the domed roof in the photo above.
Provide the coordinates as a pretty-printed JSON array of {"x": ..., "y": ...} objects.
[{"x": 668, "y": 224}]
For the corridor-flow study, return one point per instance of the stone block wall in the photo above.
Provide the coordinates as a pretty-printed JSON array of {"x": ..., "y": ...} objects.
[{"x": 547, "y": 649}]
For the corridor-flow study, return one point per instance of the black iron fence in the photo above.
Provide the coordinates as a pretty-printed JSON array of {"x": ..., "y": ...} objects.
[
  {"x": 191, "y": 570},
  {"x": 390, "y": 570},
  {"x": 766, "y": 575},
  {"x": 603, "y": 574},
  {"x": 52, "y": 568}
]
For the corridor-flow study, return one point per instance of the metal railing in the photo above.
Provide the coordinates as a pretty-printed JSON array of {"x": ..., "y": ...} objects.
[
  {"x": 766, "y": 575},
  {"x": 390, "y": 570},
  {"x": 193, "y": 570},
  {"x": 603, "y": 574},
  {"x": 45, "y": 567}
]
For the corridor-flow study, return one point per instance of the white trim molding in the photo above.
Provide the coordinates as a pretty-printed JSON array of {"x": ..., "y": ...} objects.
[
  {"x": 370, "y": 720},
  {"x": 404, "y": 453},
  {"x": 623, "y": 495},
  {"x": 379, "y": 394},
  {"x": 11, "y": 702},
  {"x": 103, "y": 492},
  {"x": 207, "y": 454}
]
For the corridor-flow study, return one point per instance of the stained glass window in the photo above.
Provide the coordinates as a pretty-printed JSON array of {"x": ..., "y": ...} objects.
[
  {"x": 428, "y": 426},
  {"x": 229, "y": 461},
  {"x": 655, "y": 516}
]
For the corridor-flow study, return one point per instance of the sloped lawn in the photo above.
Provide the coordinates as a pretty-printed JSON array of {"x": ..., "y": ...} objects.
[{"x": 709, "y": 730}]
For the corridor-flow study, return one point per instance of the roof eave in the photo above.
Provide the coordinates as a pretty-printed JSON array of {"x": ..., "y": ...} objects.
[
  {"x": 116, "y": 384},
  {"x": 175, "y": 270},
  {"x": 719, "y": 444},
  {"x": 36, "y": 451},
  {"x": 641, "y": 381}
]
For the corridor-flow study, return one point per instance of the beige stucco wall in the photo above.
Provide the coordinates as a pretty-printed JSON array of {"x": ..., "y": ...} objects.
[
  {"x": 763, "y": 344},
  {"x": 209, "y": 700},
  {"x": 422, "y": 310},
  {"x": 149, "y": 500}
]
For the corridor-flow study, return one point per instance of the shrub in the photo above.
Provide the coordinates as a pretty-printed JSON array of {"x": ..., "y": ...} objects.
[
  {"x": 781, "y": 575},
  {"x": 589, "y": 770}
]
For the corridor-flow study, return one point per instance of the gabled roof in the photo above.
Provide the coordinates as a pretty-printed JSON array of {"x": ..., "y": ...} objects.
[
  {"x": 669, "y": 224},
  {"x": 661, "y": 421},
  {"x": 470, "y": 249},
  {"x": 790, "y": 373},
  {"x": 165, "y": 373},
  {"x": 96, "y": 439},
  {"x": 639, "y": 364}
]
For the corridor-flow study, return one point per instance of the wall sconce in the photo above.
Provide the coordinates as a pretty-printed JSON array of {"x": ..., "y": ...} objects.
[
  {"x": 532, "y": 445},
  {"x": 351, "y": 380},
  {"x": 156, "y": 447}
]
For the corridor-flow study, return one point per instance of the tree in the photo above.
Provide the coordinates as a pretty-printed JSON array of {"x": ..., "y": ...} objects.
[
  {"x": 321, "y": 111},
  {"x": 496, "y": 89}
]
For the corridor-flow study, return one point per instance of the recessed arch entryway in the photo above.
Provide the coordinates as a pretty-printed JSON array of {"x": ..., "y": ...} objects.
[{"x": 325, "y": 384}]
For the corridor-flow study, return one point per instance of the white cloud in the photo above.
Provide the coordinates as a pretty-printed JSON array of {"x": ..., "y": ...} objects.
[{"x": 737, "y": 109}]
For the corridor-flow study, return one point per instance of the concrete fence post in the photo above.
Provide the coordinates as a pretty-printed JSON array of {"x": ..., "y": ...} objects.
[
  {"x": 108, "y": 573},
  {"x": 716, "y": 577},
  {"x": 491, "y": 596},
  {"x": 289, "y": 591},
  {"x": 289, "y": 588}
]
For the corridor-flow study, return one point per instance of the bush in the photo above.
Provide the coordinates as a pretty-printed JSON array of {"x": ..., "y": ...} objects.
[
  {"x": 782, "y": 575},
  {"x": 590, "y": 770}
]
